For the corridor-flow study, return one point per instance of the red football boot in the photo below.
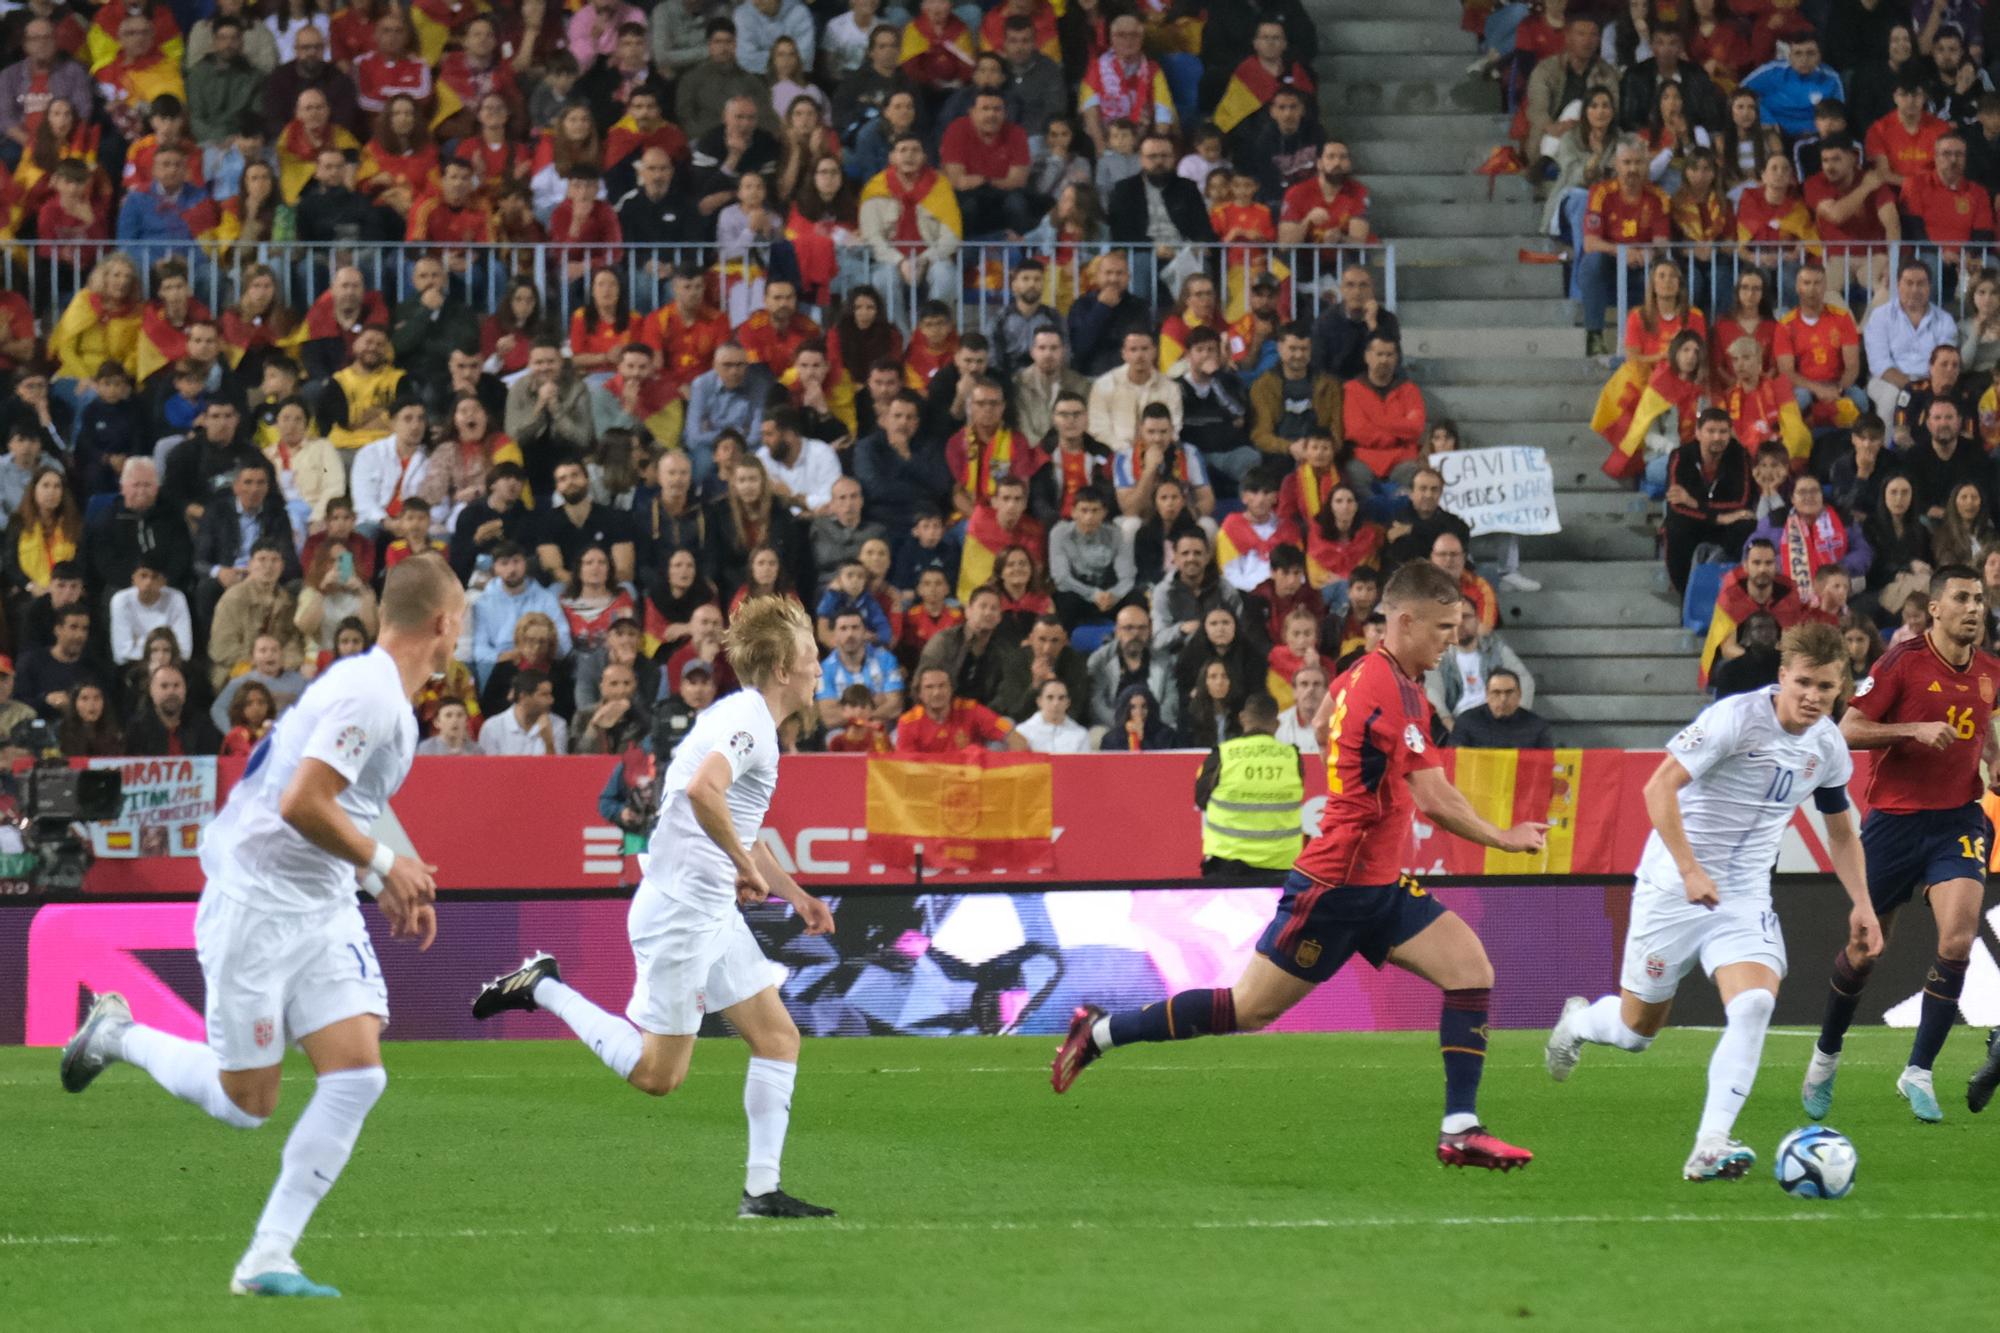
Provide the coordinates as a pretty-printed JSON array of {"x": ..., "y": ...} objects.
[
  {"x": 1476, "y": 1147},
  {"x": 1077, "y": 1050}
]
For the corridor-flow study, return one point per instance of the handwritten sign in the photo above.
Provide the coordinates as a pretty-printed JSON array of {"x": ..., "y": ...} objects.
[
  {"x": 167, "y": 804},
  {"x": 1509, "y": 489}
]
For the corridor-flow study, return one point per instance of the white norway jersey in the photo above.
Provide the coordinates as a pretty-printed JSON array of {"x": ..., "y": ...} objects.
[
  {"x": 356, "y": 720},
  {"x": 685, "y": 864},
  {"x": 1749, "y": 774}
]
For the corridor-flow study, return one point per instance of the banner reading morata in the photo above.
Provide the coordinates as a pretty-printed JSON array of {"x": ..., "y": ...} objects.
[{"x": 533, "y": 824}]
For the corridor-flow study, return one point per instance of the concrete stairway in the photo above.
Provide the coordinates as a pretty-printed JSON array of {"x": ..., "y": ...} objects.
[{"x": 1496, "y": 348}]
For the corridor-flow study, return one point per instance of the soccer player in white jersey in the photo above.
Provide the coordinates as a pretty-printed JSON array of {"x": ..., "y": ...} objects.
[
  {"x": 1720, "y": 802},
  {"x": 694, "y": 952},
  {"x": 284, "y": 953}
]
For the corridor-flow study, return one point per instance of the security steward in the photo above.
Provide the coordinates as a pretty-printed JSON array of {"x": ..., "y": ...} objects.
[{"x": 1250, "y": 790}]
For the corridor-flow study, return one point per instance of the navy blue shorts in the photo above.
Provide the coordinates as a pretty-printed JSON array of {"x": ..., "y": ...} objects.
[
  {"x": 1909, "y": 852},
  {"x": 1317, "y": 928}
]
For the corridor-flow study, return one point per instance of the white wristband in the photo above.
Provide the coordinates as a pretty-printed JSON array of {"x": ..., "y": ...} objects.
[
  {"x": 371, "y": 884},
  {"x": 384, "y": 859}
]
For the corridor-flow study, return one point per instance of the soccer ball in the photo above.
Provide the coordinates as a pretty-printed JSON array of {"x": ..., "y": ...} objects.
[{"x": 1816, "y": 1163}]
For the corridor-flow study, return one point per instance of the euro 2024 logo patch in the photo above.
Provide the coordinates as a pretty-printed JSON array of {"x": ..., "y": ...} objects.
[
  {"x": 351, "y": 743},
  {"x": 1691, "y": 738},
  {"x": 1865, "y": 686},
  {"x": 742, "y": 743},
  {"x": 1413, "y": 739}
]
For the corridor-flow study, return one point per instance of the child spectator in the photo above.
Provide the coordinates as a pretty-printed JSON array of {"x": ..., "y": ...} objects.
[
  {"x": 858, "y": 732},
  {"x": 110, "y": 423},
  {"x": 1343, "y": 634},
  {"x": 1299, "y": 647},
  {"x": 1205, "y": 158},
  {"x": 413, "y": 533},
  {"x": 453, "y": 734},
  {"x": 927, "y": 547},
  {"x": 934, "y": 347},
  {"x": 1246, "y": 539},
  {"x": 1120, "y": 159},
  {"x": 1271, "y": 603},
  {"x": 849, "y": 592},
  {"x": 250, "y": 715},
  {"x": 932, "y": 612}
]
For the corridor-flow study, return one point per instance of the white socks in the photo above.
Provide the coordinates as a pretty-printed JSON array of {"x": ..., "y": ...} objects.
[
  {"x": 1100, "y": 1032},
  {"x": 767, "y": 1103},
  {"x": 1602, "y": 1025},
  {"x": 615, "y": 1041},
  {"x": 1733, "y": 1067},
  {"x": 314, "y": 1155},
  {"x": 189, "y": 1070}
]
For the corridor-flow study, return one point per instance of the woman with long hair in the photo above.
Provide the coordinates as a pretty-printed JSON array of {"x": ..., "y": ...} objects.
[
  {"x": 1212, "y": 704},
  {"x": 1583, "y": 158},
  {"x": 602, "y": 326},
  {"x": 251, "y": 712},
  {"x": 1745, "y": 143},
  {"x": 508, "y": 334},
  {"x": 1703, "y": 221},
  {"x": 399, "y": 163},
  {"x": 1979, "y": 334},
  {"x": 571, "y": 141},
  {"x": 1063, "y": 161},
  {"x": 861, "y": 336},
  {"x": 749, "y": 517},
  {"x": 1965, "y": 534},
  {"x": 44, "y": 532},
  {"x": 331, "y": 595},
  {"x": 62, "y": 136},
  {"x": 101, "y": 323},
  {"x": 460, "y": 462},
  {"x": 535, "y": 647},
  {"x": 1679, "y": 383},
  {"x": 678, "y": 588},
  {"x": 1197, "y": 308},
  {"x": 1863, "y": 643},
  {"x": 1717, "y": 42},
  {"x": 593, "y": 602},
  {"x": 1672, "y": 135},
  {"x": 618, "y": 467},
  {"x": 1749, "y": 317},
  {"x": 824, "y": 217},
  {"x": 308, "y": 467},
  {"x": 767, "y": 578},
  {"x": 804, "y": 140},
  {"x": 88, "y": 729},
  {"x": 258, "y": 325},
  {"x": 1072, "y": 234},
  {"x": 351, "y": 32},
  {"x": 1024, "y": 593},
  {"x": 1898, "y": 541},
  {"x": 1339, "y": 540},
  {"x": 286, "y": 18},
  {"x": 1773, "y": 225},
  {"x": 492, "y": 149},
  {"x": 163, "y": 649},
  {"x": 791, "y": 82},
  {"x": 258, "y": 214},
  {"x": 1871, "y": 90},
  {"x": 1220, "y": 638},
  {"x": 1650, "y": 329},
  {"x": 1135, "y": 722}
]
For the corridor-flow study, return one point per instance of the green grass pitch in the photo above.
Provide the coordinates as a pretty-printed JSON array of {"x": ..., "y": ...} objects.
[{"x": 1245, "y": 1183}]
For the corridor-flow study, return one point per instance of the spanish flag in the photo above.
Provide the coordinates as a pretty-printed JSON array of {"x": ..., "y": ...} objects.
[
  {"x": 447, "y": 105},
  {"x": 298, "y": 156},
  {"x": 972, "y": 813},
  {"x": 1626, "y": 417},
  {"x": 1251, "y": 89},
  {"x": 993, "y": 30},
  {"x": 985, "y": 539},
  {"x": 1733, "y": 606},
  {"x": 92, "y": 331},
  {"x": 438, "y": 21},
  {"x": 161, "y": 343},
  {"x": 1174, "y": 335},
  {"x": 929, "y": 192},
  {"x": 1508, "y": 787},
  {"x": 103, "y": 39}
]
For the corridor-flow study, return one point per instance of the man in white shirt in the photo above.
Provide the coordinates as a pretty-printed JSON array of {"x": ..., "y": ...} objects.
[
  {"x": 1120, "y": 395},
  {"x": 1900, "y": 336},
  {"x": 390, "y": 468},
  {"x": 802, "y": 471},
  {"x": 147, "y": 605},
  {"x": 530, "y": 727},
  {"x": 284, "y": 952},
  {"x": 1295, "y": 724},
  {"x": 1050, "y": 730}
]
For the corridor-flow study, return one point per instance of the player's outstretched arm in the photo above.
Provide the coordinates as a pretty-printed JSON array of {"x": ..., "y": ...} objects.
[
  {"x": 1865, "y": 733},
  {"x": 1445, "y": 805},
  {"x": 1663, "y": 807},
  {"x": 1843, "y": 846},
  {"x": 816, "y": 914},
  {"x": 708, "y": 797},
  {"x": 311, "y": 805}
]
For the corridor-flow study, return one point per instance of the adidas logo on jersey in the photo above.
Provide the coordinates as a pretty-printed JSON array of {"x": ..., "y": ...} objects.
[{"x": 1936, "y": 688}]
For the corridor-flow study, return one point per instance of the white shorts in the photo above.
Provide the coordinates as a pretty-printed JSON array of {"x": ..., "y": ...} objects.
[
  {"x": 1669, "y": 935},
  {"x": 274, "y": 977},
  {"x": 690, "y": 963}
]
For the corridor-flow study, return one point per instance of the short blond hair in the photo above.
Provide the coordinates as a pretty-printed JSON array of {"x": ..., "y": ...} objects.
[
  {"x": 763, "y": 638},
  {"x": 1815, "y": 644},
  {"x": 417, "y": 589}
]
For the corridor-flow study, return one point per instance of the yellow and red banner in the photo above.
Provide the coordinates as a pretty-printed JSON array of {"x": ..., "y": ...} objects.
[{"x": 976, "y": 812}]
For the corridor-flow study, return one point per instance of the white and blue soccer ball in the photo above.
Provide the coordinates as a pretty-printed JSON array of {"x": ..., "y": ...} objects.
[{"x": 1816, "y": 1163}]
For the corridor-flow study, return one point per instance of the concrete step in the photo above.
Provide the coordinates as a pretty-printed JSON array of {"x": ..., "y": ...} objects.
[
  {"x": 1323, "y": 12},
  {"x": 1561, "y": 371},
  {"x": 1623, "y": 578},
  {"x": 1592, "y": 542},
  {"x": 1574, "y": 641},
  {"x": 1449, "y": 187},
  {"x": 1625, "y": 677},
  {"x": 1412, "y": 157},
  {"x": 1588, "y": 610},
  {"x": 1493, "y": 312},
  {"x": 1464, "y": 128},
  {"x": 1341, "y": 67},
  {"x": 1613, "y": 735},
  {"x": 1476, "y": 342},
  {"x": 1639, "y": 710},
  {"x": 1392, "y": 89},
  {"x": 1571, "y": 437},
  {"x": 1395, "y": 37},
  {"x": 1514, "y": 282},
  {"x": 1497, "y": 221},
  {"x": 1457, "y": 252},
  {"x": 1506, "y": 402}
]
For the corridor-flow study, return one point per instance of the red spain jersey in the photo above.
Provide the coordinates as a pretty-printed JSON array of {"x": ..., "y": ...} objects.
[
  {"x": 765, "y": 342},
  {"x": 1909, "y": 152},
  {"x": 1615, "y": 218},
  {"x": 1817, "y": 345},
  {"x": 1350, "y": 201},
  {"x": 967, "y": 724},
  {"x": 1380, "y": 733},
  {"x": 1949, "y": 214},
  {"x": 1911, "y": 683},
  {"x": 687, "y": 345},
  {"x": 1865, "y": 225}
]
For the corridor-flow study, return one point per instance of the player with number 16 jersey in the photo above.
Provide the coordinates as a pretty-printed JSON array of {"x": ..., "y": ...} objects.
[{"x": 1927, "y": 709}]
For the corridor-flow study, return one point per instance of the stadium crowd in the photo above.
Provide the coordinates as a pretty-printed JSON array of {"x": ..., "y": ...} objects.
[
  {"x": 1131, "y": 495},
  {"x": 1798, "y": 203}
]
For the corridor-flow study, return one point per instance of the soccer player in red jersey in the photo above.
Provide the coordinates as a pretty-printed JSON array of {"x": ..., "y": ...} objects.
[
  {"x": 1347, "y": 895},
  {"x": 1928, "y": 707}
]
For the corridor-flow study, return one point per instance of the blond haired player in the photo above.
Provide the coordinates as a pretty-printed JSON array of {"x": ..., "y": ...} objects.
[
  {"x": 284, "y": 953},
  {"x": 694, "y": 952},
  {"x": 1720, "y": 802}
]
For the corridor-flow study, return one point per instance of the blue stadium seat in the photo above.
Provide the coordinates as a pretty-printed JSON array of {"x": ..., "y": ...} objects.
[
  {"x": 98, "y": 504},
  {"x": 1698, "y": 606},
  {"x": 1086, "y": 638}
]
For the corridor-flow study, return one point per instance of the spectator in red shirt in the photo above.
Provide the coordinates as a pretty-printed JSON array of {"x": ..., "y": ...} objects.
[
  {"x": 1819, "y": 349},
  {"x": 943, "y": 724},
  {"x": 773, "y": 336},
  {"x": 583, "y": 220},
  {"x": 1945, "y": 208},
  {"x": 391, "y": 69},
  {"x": 1382, "y": 418},
  {"x": 1903, "y": 144},
  {"x": 1626, "y": 210},
  {"x": 985, "y": 157},
  {"x": 1855, "y": 213},
  {"x": 1331, "y": 206}
]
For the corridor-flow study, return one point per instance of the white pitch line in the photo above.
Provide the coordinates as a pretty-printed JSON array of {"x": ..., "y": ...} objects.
[{"x": 1835, "y": 1215}]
